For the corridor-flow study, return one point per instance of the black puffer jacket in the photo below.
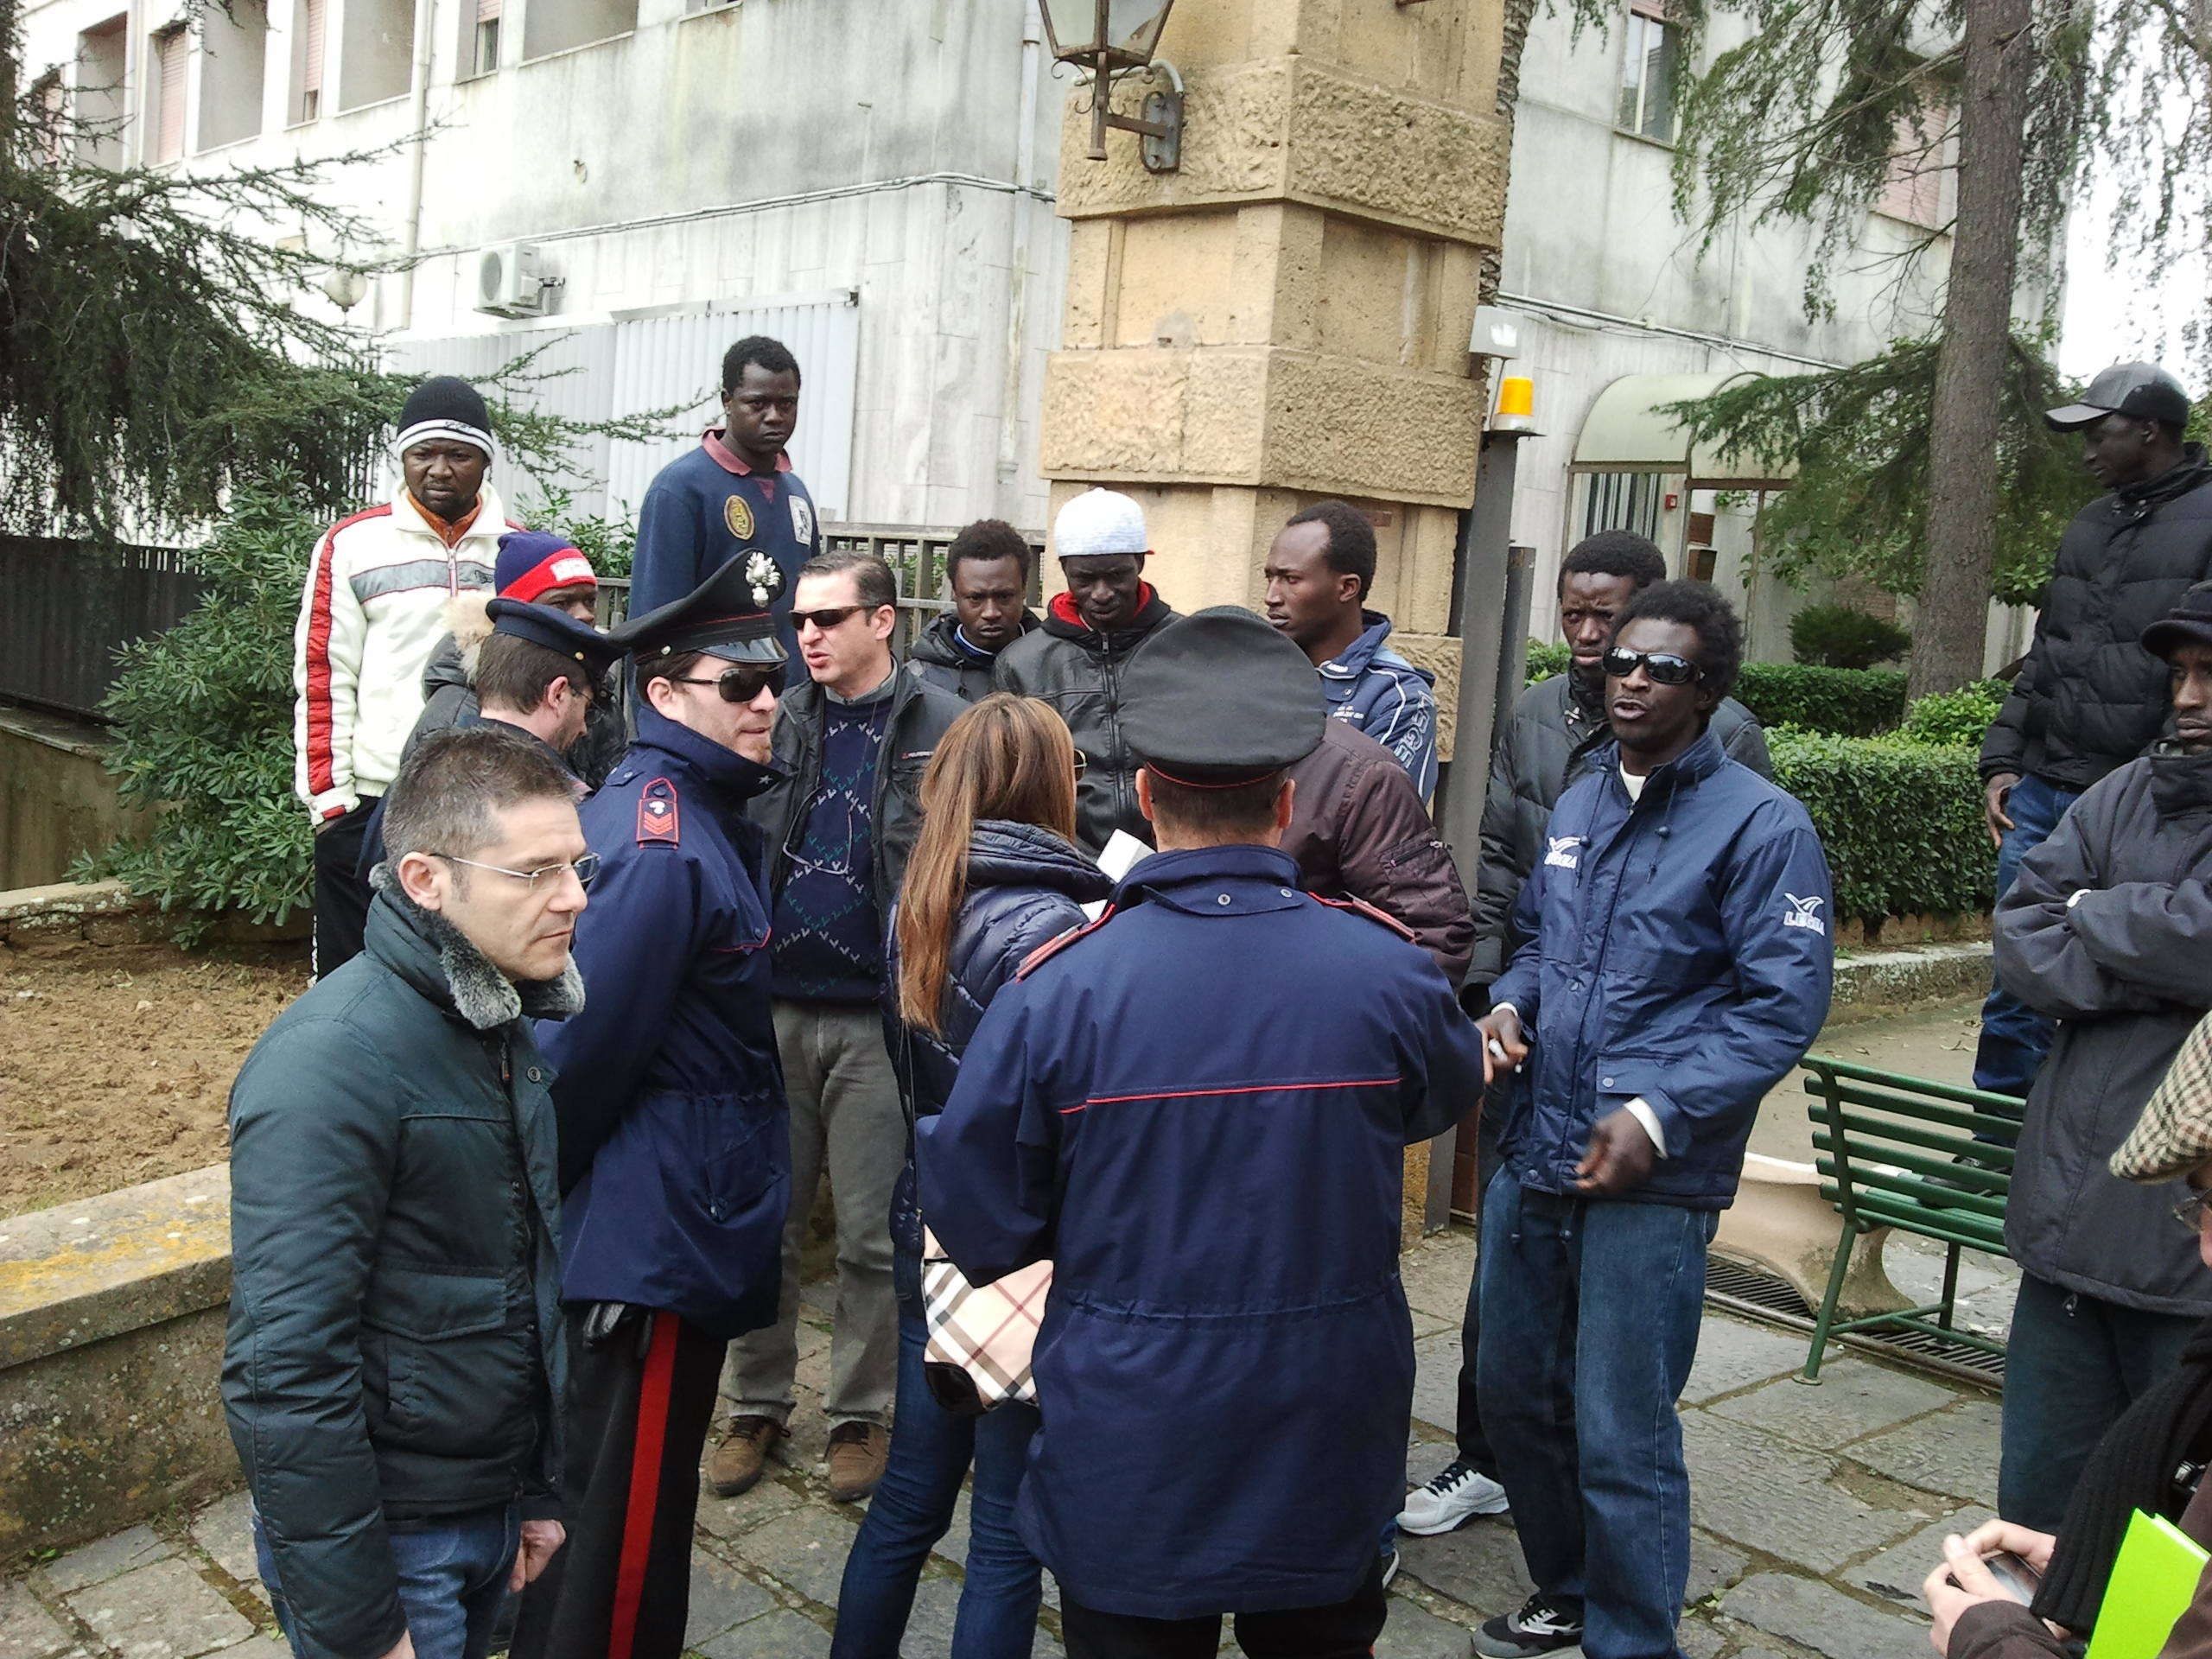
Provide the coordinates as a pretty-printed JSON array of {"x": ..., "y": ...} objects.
[
  {"x": 2108, "y": 928},
  {"x": 2089, "y": 697},
  {"x": 1025, "y": 885},
  {"x": 1546, "y": 738},
  {"x": 1079, "y": 670},
  {"x": 939, "y": 659},
  {"x": 395, "y": 1342}
]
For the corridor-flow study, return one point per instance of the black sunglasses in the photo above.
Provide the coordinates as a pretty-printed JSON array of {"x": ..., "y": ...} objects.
[
  {"x": 826, "y": 620},
  {"x": 1663, "y": 666},
  {"x": 742, "y": 683}
]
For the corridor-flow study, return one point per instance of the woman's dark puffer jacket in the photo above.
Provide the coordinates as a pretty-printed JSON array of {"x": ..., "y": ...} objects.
[{"x": 1025, "y": 886}]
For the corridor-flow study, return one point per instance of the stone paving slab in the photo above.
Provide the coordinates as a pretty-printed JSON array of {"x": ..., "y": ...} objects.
[
  {"x": 1436, "y": 1380},
  {"x": 722, "y": 1599},
  {"x": 1953, "y": 1452},
  {"x": 805, "y": 1551},
  {"x": 163, "y": 1611},
  {"x": 225, "y": 1530},
  {"x": 107, "y": 1558},
  {"x": 1414, "y": 1632},
  {"x": 1822, "y": 1618},
  {"x": 1479, "y": 1566},
  {"x": 1897, "y": 1573},
  {"x": 1734, "y": 1354},
  {"x": 26, "y": 1630},
  {"x": 779, "y": 1634},
  {"x": 1756, "y": 1490},
  {"x": 1854, "y": 1398}
]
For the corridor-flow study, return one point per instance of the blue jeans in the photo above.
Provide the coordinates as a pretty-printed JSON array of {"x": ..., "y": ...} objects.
[
  {"x": 930, "y": 1450},
  {"x": 2073, "y": 1365},
  {"x": 1590, "y": 1322},
  {"x": 453, "y": 1579},
  {"x": 2014, "y": 1037}
]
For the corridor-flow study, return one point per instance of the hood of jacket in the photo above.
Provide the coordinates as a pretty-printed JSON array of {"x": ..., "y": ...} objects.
[
  {"x": 1358, "y": 656},
  {"x": 436, "y": 958},
  {"x": 2180, "y": 784},
  {"x": 1064, "y": 621},
  {"x": 938, "y": 644},
  {"x": 2192, "y": 470},
  {"x": 1004, "y": 854}
]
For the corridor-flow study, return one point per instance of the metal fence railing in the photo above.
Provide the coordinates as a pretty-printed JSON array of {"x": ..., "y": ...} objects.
[
  {"x": 71, "y": 605},
  {"x": 915, "y": 554}
]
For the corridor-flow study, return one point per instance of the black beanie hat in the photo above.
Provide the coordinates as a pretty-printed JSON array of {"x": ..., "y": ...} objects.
[{"x": 445, "y": 406}]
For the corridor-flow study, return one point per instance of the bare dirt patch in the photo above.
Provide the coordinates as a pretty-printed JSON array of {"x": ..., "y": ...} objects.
[{"x": 116, "y": 1062}]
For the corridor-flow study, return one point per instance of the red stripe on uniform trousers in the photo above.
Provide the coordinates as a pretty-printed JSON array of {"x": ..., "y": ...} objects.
[
  {"x": 1247, "y": 1089},
  {"x": 644, "y": 1485}
]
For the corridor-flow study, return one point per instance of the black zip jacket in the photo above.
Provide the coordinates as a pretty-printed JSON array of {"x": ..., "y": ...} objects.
[
  {"x": 1079, "y": 670},
  {"x": 2089, "y": 698},
  {"x": 941, "y": 661}
]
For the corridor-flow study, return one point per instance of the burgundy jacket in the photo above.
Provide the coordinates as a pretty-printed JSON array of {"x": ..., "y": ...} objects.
[{"x": 1358, "y": 828}]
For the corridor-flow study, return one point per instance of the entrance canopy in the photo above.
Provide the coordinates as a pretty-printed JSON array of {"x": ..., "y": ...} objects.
[{"x": 1624, "y": 432}]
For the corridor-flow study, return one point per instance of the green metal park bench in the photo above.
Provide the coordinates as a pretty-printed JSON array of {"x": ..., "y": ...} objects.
[{"x": 1885, "y": 1145}]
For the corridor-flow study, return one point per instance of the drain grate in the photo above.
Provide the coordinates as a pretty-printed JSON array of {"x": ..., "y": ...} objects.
[{"x": 1759, "y": 1295}]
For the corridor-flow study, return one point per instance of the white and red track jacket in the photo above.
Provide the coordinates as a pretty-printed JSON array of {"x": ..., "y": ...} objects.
[{"x": 373, "y": 611}]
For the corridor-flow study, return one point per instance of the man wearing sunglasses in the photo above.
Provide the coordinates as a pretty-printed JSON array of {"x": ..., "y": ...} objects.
[
  {"x": 675, "y": 1163},
  {"x": 1676, "y": 966},
  {"x": 1556, "y": 726},
  {"x": 2104, "y": 930},
  {"x": 851, "y": 743}
]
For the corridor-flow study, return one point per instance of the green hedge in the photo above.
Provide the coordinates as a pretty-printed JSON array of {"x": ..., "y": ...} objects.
[
  {"x": 1959, "y": 718},
  {"x": 1845, "y": 701},
  {"x": 1902, "y": 822}
]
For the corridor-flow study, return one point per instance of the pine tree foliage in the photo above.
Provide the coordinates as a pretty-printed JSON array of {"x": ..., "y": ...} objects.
[{"x": 1857, "y": 438}]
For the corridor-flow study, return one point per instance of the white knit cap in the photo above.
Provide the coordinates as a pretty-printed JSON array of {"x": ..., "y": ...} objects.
[{"x": 1099, "y": 522}]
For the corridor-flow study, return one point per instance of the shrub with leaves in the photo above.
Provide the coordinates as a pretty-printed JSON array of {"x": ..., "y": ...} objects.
[
  {"x": 1901, "y": 821},
  {"x": 1844, "y": 702},
  {"x": 1547, "y": 660},
  {"x": 1957, "y": 718},
  {"x": 203, "y": 724},
  {"x": 1843, "y": 636}
]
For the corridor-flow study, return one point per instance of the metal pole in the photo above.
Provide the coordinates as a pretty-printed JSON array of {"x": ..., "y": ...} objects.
[
  {"x": 1513, "y": 625},
  {"x": 1485, "y": 562}
]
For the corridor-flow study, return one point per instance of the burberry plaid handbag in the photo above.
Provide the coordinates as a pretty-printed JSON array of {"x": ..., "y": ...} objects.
[{"x": 980, "y": 1335}]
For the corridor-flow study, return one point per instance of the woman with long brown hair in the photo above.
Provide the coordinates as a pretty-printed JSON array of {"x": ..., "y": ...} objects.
[{"x": 994, "y": 873}]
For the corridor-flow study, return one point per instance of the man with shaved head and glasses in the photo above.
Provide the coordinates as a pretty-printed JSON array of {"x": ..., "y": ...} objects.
[
  {"x": 1675, "y": 963},
  {"x": 675, "y": 1162},
  {"x": 852, "y": 740}
]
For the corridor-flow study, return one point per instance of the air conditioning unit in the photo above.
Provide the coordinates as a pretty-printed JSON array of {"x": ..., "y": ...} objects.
[{"x": 507, "y": 281}]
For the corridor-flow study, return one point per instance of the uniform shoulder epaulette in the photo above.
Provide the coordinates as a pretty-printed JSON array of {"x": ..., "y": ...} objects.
[
  {"x": 1059, "y": 942},
  {"x": 1373, "y": 912},
  {"x": 659, "y": 823}
]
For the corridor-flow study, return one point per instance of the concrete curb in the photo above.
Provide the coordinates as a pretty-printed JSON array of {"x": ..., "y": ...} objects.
[{"x": 1881, "y": 982}]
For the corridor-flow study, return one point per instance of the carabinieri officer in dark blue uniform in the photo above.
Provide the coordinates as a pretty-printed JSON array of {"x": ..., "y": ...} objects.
[
  {"x": 675, "y": 1151},
  {"x": 1197, "y": 1106}
]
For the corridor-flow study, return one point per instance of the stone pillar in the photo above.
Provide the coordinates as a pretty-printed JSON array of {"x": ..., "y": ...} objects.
[{"x": 1287, "y": 316}]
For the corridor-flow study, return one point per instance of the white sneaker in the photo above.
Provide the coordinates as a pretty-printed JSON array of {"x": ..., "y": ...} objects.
[{"x": 1456, "y": 1496}]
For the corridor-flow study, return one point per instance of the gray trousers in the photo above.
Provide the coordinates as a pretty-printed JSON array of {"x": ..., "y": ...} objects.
[{"x": 845, "y": 1114}]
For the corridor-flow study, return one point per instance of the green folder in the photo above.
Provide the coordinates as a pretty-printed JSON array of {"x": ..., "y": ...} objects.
[{"x": 2152, "y": 1582}]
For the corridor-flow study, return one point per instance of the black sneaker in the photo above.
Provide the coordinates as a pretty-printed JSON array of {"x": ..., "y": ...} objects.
[{"x": 1541, "y": 1624}]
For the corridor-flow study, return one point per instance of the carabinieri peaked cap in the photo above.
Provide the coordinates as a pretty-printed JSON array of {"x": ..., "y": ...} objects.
[
  {"x": 555, "y": 630},
  {"x": 726, "y": 616},
  {"x": 1218, "y": 699}
]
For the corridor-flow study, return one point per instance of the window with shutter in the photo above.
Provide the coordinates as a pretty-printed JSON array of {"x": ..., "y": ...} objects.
[
  {"x": 488, "y": 36},
  {"x": 169, "y": 94},
  {"x": 307, "y": 68},
  {"x": 1919, "y": 157}
]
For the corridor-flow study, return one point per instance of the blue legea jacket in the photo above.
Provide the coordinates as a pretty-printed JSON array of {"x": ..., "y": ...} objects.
[{"x": 1676, "y": 947}]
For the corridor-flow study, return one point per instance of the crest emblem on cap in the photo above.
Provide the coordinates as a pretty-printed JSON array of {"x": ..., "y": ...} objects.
[
  {"x": 764, "y": 577},
  {"x": 737, "y": 514}
]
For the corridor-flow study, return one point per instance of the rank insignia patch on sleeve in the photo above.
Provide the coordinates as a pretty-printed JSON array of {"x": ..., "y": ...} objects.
[{"x": 657, "y": 814}]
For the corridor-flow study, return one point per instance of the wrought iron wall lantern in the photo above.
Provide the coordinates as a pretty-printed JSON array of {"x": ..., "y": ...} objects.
[{"x": 1111, "y": 38}]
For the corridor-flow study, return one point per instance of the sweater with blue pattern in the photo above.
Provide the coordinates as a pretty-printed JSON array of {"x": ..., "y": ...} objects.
[{"x": 828, "y": 944}]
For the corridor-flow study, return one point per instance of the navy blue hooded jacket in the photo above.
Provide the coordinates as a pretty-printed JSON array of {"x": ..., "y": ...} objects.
[
  {"x": 1025, "y": 886},
  {"x": 674, "y": 1143},
  {"x": 1198, "y": 1110},
  {"x": 1677, "y": 948},
  {"x": 1381, "y": 694}
]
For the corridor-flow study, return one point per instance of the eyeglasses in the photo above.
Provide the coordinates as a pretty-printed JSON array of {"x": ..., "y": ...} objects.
[
  {"x": 741, "y": 683},
  {"x": 1082, "y": 763},
  {"x": 2191, "y": 1210},
  {"x": 825, "y": 620},
  {"x": 583, "y": 869},
  {"x": 1664, "y": 667}
]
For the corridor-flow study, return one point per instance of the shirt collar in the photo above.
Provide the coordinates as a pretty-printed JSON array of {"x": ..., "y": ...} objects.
[{"x": 727, "y": 458}]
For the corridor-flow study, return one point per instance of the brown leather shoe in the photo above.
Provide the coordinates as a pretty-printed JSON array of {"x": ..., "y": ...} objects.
[
  {"x": 857, "y": 1452},
  {"x": 742, "y": 1457}
]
